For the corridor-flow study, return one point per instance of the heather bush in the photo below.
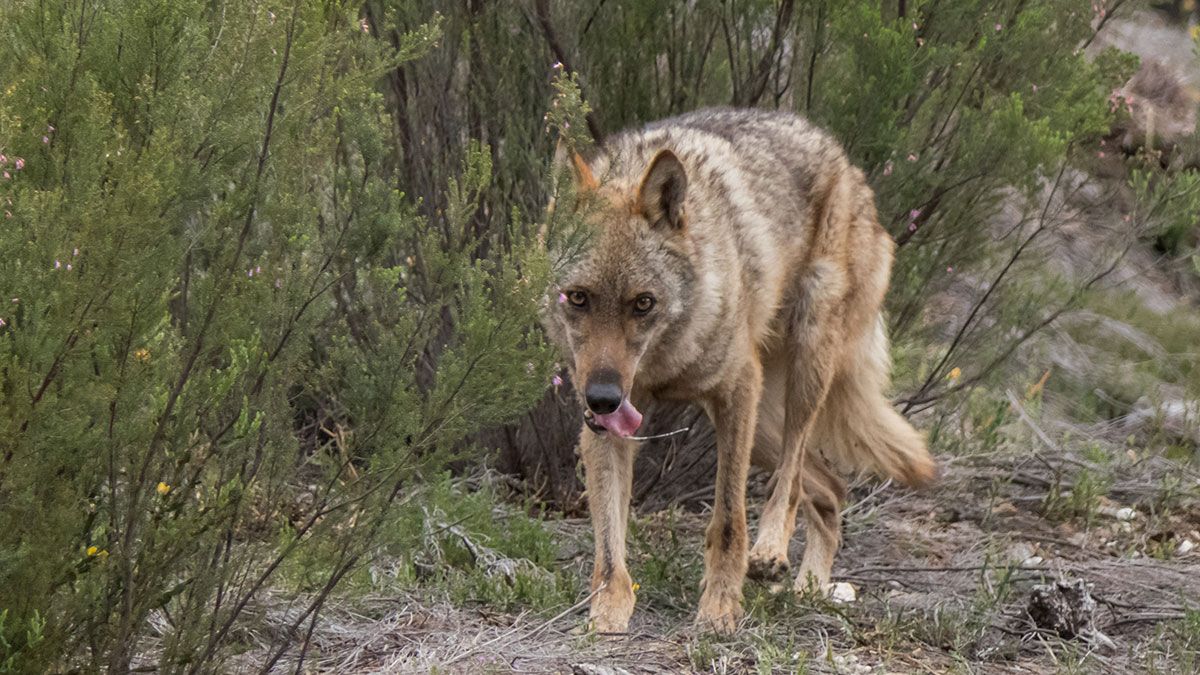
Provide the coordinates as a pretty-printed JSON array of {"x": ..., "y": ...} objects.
[{"x": 228, "y": 337}]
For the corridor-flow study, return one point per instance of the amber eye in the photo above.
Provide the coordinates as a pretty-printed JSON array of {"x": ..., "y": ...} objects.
[
  {"x": 577, "y": 298},
  {"x": 643, "y": 304}
]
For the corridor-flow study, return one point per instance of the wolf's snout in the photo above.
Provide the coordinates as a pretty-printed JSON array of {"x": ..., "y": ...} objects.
[{"x": 603, "y": 392}]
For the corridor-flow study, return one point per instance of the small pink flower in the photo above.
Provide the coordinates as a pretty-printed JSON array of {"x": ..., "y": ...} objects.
[
  {"x": 1034, "y": 86},
  {"x": 3, "y": 158},
  {"x": 562, "y": 297},
  {"x": 45, "y": 139},
  {"x": 557, "y": 65},
  {"x": 2, "y": 324},
  {"x": 68, "y": 267},
  {"x": 949, "y": 270},
  {"x": 912, "y": 157},
  {"x": 887, "y": 168},
  {"x": 364, "y": 26},
  {"x": 19, "y": 163},
  {"x": 556, "y": 381},
  {"x": 50, "y": 128},
  {"x": 912, "y": 227},
  {"x": 7, "y": 176},
  {"x": 250, "y": 273},
  {"x": 258, "y": 269},
  {"x": 1100, "y": 154},
  {"x": 999, "y": 28},
  {"x": 914, "y": 214},
  {"x": 57, "y": 265}
]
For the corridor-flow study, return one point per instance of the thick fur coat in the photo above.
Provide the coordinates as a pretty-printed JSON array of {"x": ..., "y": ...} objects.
[{"x": 737, "y": 263}]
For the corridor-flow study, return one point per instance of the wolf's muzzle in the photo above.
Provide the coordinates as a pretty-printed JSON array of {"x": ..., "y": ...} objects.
[
  {"x": 590, "y": 420},
  {"x": 603, "y": 392}
]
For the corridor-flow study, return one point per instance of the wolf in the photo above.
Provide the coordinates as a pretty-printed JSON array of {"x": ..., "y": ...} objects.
[{"x": 736, "y": 263}]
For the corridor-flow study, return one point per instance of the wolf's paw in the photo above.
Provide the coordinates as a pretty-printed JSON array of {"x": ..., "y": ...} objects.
[
  {"x": 611, "y": 609},
  {"x": 720, "y": 610},
  {"x": 811, "y": 584},
  {"x": 608, "y": 624},
  {"x": 768, "y": 568}
]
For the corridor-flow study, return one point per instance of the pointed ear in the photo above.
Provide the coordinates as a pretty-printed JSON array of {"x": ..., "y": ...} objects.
[
  {"x": 585, "y": 180},
  {"x": 660, "y": 197}
]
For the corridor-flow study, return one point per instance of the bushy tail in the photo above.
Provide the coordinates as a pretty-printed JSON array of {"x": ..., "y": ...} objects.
[{"x": 860, "y": 430}]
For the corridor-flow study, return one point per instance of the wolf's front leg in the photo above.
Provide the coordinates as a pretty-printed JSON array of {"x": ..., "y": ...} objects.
[
  {"x": 608, "y": 469},
  {"x": 734, "y": 411}
]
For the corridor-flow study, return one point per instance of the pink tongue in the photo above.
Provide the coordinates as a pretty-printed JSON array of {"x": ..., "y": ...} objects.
[{"x": 624, "y": 421}]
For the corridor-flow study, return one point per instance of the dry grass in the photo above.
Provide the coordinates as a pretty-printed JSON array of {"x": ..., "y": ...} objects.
[{"x": 943, "y": 578}]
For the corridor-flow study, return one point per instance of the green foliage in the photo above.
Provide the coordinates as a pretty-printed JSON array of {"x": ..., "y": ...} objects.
[
  {"x": 267, "y": 268},
  {"x": 475, "y": 549},
  {"x": 230, "y": 341},
  {"x": 1171, "y": 202}
]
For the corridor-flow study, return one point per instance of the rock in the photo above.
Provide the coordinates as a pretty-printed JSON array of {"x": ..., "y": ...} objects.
[
  {"x": 1020, "y": 551},
  {"x": 1175, "y": 418},
  {"x": 843, "y": 592},
  {"x": 1123, "y": 514},
  {"x": 1065, "y": 607},
  {"x": 1161, "y": 106},
  {"x": 596, "y": 669}
]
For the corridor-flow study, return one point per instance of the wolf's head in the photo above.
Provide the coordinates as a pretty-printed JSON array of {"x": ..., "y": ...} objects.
[{"x": 627, "y": 294}]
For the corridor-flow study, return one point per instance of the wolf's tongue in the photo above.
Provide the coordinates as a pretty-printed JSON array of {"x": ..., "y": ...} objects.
[{"x": 624, "y": 421}]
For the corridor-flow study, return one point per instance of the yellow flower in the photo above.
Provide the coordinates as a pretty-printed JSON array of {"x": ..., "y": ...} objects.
[
  {"x": 142, "y": 355},
  {"x": 92, "y": 550},
  {"x": 636, "y": 586},
  {"x": 1195, "y": 32},
  {"x": 163, "y": 488},
  {"x": 955, "y": 373}
]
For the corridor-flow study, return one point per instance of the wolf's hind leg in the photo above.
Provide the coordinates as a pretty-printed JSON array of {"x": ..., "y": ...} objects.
[
  {"x": 824, "y": 492},
  {"x": 812, "y": 354},
  {"x": 608, "y": 469}
]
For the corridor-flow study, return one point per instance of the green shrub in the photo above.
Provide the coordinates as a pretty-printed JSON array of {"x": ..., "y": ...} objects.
[{"x": 228, "y": 335}]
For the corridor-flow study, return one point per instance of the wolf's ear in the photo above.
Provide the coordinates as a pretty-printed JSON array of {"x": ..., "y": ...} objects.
[
  {"x": 585, "y": 180},
  {"x": 660, "y": 196}
]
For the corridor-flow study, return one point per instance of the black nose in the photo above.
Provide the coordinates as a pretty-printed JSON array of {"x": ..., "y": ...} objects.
[{"x": 603, "y": 392}]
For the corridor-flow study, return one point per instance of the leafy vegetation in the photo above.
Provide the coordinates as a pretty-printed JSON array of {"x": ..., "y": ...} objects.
[
  {"x": 270, "y": 275},
  {"x": 229, "y": 341}
]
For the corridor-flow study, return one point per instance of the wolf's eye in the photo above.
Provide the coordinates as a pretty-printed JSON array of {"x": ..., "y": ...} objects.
[
  {"x": 643, "y": 304},
  {"x": 577, "y": 298}
]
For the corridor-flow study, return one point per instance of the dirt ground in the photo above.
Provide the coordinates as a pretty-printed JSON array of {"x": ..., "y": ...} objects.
[{"x": 943, "y": 580}]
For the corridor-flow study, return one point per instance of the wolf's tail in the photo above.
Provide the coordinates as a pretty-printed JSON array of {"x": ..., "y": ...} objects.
[{"x": 860, "y": 430}]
